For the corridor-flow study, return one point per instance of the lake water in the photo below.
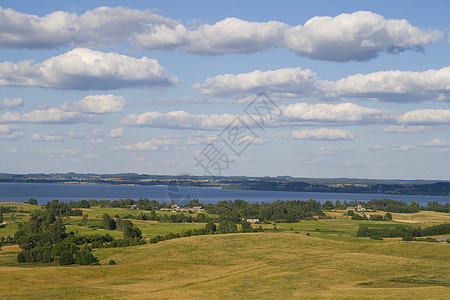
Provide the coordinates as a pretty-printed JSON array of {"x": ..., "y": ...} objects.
[{"x": 42, "y": 192}]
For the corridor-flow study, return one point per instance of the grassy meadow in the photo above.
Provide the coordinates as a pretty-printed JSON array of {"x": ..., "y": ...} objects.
[{"x": 328, "y": 263}]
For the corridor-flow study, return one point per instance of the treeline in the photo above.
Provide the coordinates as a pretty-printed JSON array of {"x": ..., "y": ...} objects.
[
  {"x": 389, "y": 205},
  {"x": 144, "y": 204},
  {"x": 225, "y": 226},
  {"x": 403, "y": 231},
  {"x": 431, "y": 189},
  {"x": 172, "y": 218},
  {"x": 278, "y": 211}
]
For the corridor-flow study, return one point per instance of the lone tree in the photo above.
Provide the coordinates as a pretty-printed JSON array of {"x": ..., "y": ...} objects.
[
  {"x": 388, "y": 216},
  {"x": 32, "y": 201},
  {"x": 108, "y": 223},
  {"x": 211, "y": 227}
]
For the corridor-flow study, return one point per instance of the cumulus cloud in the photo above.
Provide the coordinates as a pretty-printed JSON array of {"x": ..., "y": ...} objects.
[
  {"x": 11, "y": 103},
  {"x": 50, "y": 116},
  {"x": 343, "y": 113},
  {"x": 373, "y": 147},
  {"x": 101, "y": 104},
  {"x": 426, "y": 117},
  {"x": 282, "y": 81},
  {"x": 404, "y": 129},
  {"x": 388, "y": 86},
  {"x": 155, "y": 144},
  {"x": 436, "y": 143},
  {"x": 85, "y": 69},
  {"x": 90, "y": 156},
  {"x": 394, "y": 86},
  {"x": 332, "y": 150},
  {"x": 403, "y": 148},
  {"x": 116, "y": 132},
  {"x": 301, "y": 114},
  {"x": 11, "y": 132},
  {"x": 293, "y": 114},
  {"x": 47, "y": 137},
  {"x": 103, "y": 26},
  {"x": 329, "y": 134},
  {"x": 358, "y": 36},
  {"x": 74, "y": 135},
  {"x": 178, "y": 119}
]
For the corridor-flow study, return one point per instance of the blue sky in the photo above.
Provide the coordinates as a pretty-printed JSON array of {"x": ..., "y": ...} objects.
[{"x": 351, "y": 88}]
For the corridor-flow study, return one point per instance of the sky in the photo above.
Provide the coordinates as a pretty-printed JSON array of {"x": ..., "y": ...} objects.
[{"x": 256, "y": 88}]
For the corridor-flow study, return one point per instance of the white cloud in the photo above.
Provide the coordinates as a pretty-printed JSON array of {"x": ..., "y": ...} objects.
[
  {"x": 332, "y": 150},
  {"x": 178, "y": 119},
  {"x": 301, "y": 114},
  {"x": 103, "y": 26},
  {"x": 426, "y": 117},
  {"x": 404, "y": 129},
  {"x": 436, "y": 143},
  {"x": 85, "y": 69},
  {"x": 96, "y": 141},
  {"x": 282, "y": 81},
  {"x": 155, "y": 144},
  {"x": 11, "y": 103},
  {"x": 49, "y": 115},
  {"x": 230, "y": 35},
  {"x": 90, "y": 156},
  {"x": 66, "y": 153},
  {"x": 360, "y": 36},
  {"x": 373, "y": 147},
  {"x": 101, "y": 104},
  {"x": 74, "y": 135},
  {"x": 11, "y": 132},
  {"x": 47, "y": 137},
  {"x": 96, "y": 132},
  {"x": 343, "y": 113},
  {"x": 329, "y": 134},
  {"x": 403, "y": 148},
  {"x": 388, "y": 86},
  {"x": 116, "y": 132},
  {"x": 394, "y": 86}
]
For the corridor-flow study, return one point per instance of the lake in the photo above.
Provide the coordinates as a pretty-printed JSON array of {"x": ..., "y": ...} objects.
[{"x": 43, "y": 192}]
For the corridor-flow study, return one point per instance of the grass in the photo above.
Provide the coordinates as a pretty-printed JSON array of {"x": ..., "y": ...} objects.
[{"x": 330, "y": 263}]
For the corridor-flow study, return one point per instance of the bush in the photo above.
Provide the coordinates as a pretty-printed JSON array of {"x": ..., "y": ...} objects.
[{"x": 111, "y": 262}]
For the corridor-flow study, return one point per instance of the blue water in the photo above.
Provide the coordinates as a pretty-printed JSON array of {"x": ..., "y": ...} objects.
[{"x": 21, "y": 192}]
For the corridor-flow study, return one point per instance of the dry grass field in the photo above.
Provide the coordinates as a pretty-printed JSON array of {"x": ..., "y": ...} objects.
[{"x": 330, "y": 263}]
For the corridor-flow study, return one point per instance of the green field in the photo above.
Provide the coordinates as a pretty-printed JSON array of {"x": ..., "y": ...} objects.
[{"x": 329, "y": 263}]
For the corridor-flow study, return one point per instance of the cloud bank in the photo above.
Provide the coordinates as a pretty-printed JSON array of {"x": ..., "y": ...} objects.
[
  {"x": 359, "y": 36},
  {"x": 388, "y": 86}
]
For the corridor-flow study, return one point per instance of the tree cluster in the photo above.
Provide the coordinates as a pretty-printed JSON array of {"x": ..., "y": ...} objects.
[
  {"x": 278, "y": 211},
  {"x": 43, "y": 238},
  {"x": 225, "y": 226},
  {"x": 403, "y": 231}
]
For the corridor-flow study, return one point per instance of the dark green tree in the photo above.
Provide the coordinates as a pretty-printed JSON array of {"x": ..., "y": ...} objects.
[
  {"x": 227, "y": 226},
  {"x": 108, "y": 223},
  {"x": 130, "y": 231},
  {"x": 32, "y": 201},
  {"x": 211, "y": 227},
  {"x": 388, "y": 216},
  {"x": 246, "y": 227},
  {"x": 84, "y": 220}
]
